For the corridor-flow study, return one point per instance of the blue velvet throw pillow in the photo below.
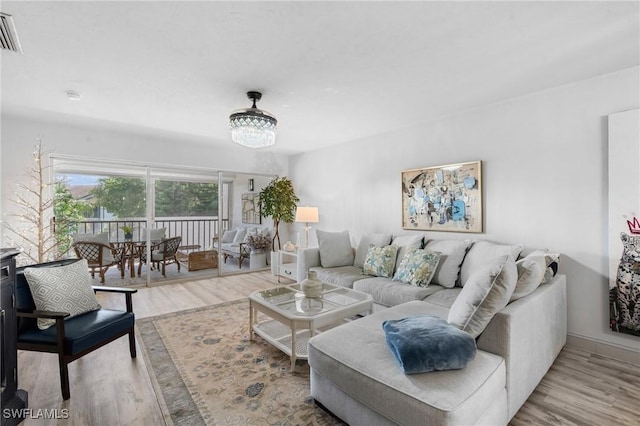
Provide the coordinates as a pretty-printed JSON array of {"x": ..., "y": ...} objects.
[{"x": 426, "y": 343}]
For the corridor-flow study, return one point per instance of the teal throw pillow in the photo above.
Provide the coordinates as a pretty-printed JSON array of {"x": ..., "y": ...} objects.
[
  {"x": 418, "y": 267},
  {"x": 380, "y": 261}
]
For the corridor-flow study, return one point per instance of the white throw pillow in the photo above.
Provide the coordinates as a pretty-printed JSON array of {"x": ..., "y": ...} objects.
[
  {"x": 483, "y": 253},
  {"x": 240, "y": 234},
  {"x": 406, "y": 243},
  {"x": 107, "y": 256},
  {"x": 530, "y": 275},
  {"x": 551, "y": 261},
  {"x": 376, "y": 240},
  {"x": 65, "y": 288},
  {"x": 486, "y": 292},
  {"x": 451, "y": 257},
  {"x": 335, "y": 249},
  {"x": 155, "y": 234},
  {"x": 228, "y": 236}
]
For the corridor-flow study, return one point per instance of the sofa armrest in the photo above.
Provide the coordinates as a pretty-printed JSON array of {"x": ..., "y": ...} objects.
[
  {"x": 307, "y": 258},
  {"x": 529, "y": 334}
]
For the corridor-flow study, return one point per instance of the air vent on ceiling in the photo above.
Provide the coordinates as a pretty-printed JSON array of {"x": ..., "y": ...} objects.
[{"x": 8, "y": 35}]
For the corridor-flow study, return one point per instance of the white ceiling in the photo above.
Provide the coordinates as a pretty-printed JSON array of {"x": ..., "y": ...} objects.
[{"x": 330, "y": 71}]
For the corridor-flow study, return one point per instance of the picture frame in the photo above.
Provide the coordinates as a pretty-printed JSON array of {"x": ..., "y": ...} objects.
[
  {"x": 443, "y": 198},
  {"x": 251, "y": 208}
]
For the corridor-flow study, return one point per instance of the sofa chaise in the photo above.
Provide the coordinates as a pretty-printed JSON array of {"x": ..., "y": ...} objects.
[{"x": 355, "y": 375}]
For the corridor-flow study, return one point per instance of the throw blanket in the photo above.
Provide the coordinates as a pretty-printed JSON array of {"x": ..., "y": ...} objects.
[{"x": 427, "y": 343}]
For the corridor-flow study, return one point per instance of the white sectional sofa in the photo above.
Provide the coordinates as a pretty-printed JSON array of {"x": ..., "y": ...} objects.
[{"x": 355, "y": 375}]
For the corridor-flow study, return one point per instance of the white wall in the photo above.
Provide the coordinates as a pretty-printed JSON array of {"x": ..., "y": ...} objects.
[
  {"x": 19, "y": 136},
  {"x": 544, "y": 176}
]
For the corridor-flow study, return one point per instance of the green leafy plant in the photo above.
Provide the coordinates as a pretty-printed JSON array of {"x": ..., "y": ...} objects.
[
  {"x": 127, "y": 229},
  {"x": 278, "y": 200}
]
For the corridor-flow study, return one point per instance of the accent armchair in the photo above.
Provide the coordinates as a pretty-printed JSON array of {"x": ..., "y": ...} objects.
[
  {"x": 100, "y": 257},
  {"x": 71, "y": 337},
  {"x": 163, "y": 252}
]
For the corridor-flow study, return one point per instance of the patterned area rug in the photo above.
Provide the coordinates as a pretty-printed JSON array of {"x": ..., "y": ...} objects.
[{"x": 206, "y": 371}]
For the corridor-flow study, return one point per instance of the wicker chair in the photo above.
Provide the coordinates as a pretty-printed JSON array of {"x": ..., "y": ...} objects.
[
  {"x": 162, "y": 252},
  {"x": 99, "y": 256}
]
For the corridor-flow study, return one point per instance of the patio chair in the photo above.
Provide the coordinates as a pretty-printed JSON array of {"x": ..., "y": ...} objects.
[
  {"x": 72, "y": 336},
  {"x": 99, "y": 256},
  {"x": 162, "y": 252}
]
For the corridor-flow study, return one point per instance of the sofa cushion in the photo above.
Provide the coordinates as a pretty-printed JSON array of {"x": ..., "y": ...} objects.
[
  {"x": 486, "y": 292},
  {"x": 378, "y": 240},
  {"x": 380, "y": 261},
  {"x": 417, "y": 267},
  {"x": 406, "y": 243},
  {"x": 481, "y": 254},
  {"x": 551, "y": 261},
  {"x": 390, "y": 293},
  {"x": 457, "y": 397},
  {"x": 451, "y": 257},
  {"x": 64, "y": 288},
  {"x": 444, "y": 298},
  {"x": 425, "y": 343},
  {"x": 343, "y": 276},
  {"x": 335, "y": 248},
  {"x": 530, "y": 275}
]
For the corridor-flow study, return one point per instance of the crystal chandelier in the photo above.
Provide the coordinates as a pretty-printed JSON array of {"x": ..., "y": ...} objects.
[{"x": 253, "y": 127}]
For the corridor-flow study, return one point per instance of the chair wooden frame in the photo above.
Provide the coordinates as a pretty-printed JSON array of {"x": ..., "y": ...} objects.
[
  {"x": 94, "y": 253},
  {"x": 167, "y": 248}
]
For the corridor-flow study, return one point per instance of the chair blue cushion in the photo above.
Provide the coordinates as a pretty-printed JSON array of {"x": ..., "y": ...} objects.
[
  {"x": 426, "y": 343},
  {"x": 83, "y": 331}
]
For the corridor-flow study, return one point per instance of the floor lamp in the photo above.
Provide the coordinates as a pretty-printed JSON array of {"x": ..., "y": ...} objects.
[{"x": 307, "y": 215}]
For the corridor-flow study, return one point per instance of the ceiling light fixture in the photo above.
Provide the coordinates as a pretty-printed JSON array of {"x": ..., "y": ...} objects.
[{"x": 253, "y": 127}]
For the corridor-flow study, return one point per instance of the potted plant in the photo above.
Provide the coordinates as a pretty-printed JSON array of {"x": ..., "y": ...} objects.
[
  {"x": 278, "y": 201},
  {"x": 258, "y": 243},
  {"x": 128, "y": 232}
]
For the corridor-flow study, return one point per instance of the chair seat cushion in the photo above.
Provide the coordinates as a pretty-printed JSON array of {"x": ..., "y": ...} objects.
[{"x": 83, "y": 331}]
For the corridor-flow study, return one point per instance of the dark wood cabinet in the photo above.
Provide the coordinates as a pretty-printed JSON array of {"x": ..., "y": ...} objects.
[{"x": 14, "y": 400}]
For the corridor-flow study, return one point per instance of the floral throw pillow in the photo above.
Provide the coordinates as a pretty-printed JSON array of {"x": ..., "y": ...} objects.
[
  {"x": 417, "y": 267},
  {"x": 380, "y": 261}
]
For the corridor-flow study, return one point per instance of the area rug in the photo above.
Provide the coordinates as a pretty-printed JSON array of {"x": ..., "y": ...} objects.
[{"x": 206, "y": 371}]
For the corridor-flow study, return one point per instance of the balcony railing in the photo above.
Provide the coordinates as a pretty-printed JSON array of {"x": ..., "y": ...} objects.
[{"x": 194, "y": 231}]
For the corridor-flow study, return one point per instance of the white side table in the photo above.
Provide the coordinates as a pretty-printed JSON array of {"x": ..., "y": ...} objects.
[{"x": 287, "y": 264}]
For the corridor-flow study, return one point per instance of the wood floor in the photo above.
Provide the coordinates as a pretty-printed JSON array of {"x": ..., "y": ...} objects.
[{"x": 109, "y": 388}]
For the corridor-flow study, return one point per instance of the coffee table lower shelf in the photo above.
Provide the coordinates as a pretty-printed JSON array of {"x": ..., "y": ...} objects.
[{"x": 279, "y": 335}]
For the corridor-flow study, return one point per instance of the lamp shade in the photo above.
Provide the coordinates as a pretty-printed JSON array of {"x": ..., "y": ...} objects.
[{"x": 307, "y": 215}]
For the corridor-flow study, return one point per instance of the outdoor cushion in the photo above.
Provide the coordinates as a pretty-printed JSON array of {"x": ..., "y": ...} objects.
[{"x": 103, "y": 238}]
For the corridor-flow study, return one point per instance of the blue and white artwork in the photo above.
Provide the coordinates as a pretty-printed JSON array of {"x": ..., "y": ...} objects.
[{"x": 443, "y": 198}]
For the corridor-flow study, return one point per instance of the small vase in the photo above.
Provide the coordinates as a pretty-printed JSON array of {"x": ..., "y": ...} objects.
[
  {"x": 312, "y": 286},
  {"x": 289, "y": 246}
]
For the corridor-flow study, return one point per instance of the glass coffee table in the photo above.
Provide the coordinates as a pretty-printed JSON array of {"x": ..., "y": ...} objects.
[{"x": 294, "y": 318}]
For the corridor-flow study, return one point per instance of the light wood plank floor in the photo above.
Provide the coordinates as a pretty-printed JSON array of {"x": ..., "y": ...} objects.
[{"x": 109, "y": 388}]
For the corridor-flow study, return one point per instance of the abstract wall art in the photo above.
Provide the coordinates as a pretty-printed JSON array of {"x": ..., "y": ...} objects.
[{"x": 443, "y": 198}]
